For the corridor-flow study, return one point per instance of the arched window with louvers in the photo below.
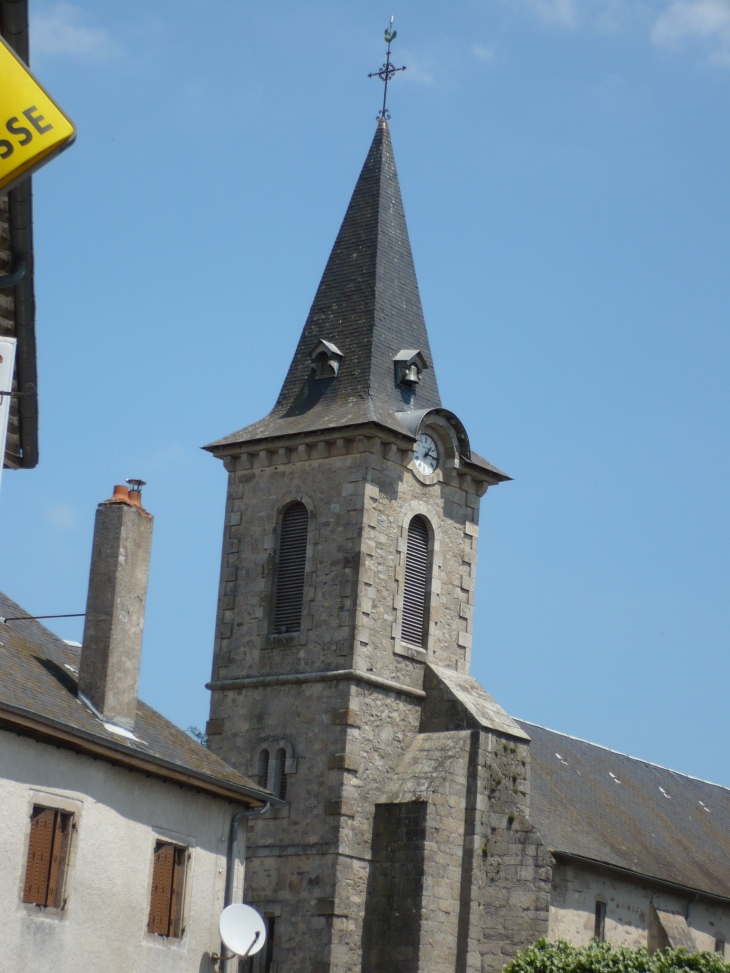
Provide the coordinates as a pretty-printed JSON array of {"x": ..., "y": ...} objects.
[
  {"x": 414, "y": 620},
  {"x": 290, "y": 569}
]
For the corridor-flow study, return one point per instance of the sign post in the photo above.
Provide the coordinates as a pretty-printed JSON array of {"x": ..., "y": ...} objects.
[{"x": 33, "y": 129}]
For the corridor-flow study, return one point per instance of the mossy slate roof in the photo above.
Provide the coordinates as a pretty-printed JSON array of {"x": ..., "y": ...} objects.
[
  {"x": 39, "y": 681},
  {"x": 590, "y": 802}
]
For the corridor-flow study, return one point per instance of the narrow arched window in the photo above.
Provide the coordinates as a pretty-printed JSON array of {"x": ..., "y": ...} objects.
[
  {"x": 264, "y": 768},
  {"x": 414, "y": 627},
  {"x": 279, "y": 787},
  {"x": 290, "y": 569}
]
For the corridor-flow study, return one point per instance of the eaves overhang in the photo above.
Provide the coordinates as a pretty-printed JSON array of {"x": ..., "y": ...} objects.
[
  {"x": 568, "y": 857},
  {"x": 405, "y": 430},
  {"x": 233, "y": 447},
  {"x": 26, "y": 723}
]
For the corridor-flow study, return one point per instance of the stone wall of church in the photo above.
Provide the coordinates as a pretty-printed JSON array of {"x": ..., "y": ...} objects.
[
  {"x": 514, "y": 892},
  {"x": 257, "y": 496},
  {"x": 309, "y": 863},
  {"x": 361, "y": 493},
  {"x": 631, "y": 906},
  {"x": 380, "y": 726},
  {"x": 449, "y": 502},
  {"x": 392, "y": 928}
]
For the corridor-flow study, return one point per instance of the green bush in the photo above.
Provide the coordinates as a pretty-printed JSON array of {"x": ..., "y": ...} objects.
[{"x": 563, "y": 957}]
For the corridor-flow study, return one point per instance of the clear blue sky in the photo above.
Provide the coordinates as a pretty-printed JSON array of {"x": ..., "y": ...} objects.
[{"x": 565, "y": 172}]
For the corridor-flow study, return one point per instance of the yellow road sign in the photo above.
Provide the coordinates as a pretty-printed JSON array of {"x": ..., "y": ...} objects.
[{"x": 33, "y": 129}]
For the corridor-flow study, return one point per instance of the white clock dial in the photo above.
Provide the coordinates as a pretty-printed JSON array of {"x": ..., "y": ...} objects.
[{"x": 427, "y": 454}]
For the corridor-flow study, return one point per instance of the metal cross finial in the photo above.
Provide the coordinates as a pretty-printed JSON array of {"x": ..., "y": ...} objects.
[{"x": 387, "y": 70}]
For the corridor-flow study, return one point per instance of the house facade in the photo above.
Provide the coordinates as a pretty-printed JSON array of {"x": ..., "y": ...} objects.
[{"x": 121, "y": 837}]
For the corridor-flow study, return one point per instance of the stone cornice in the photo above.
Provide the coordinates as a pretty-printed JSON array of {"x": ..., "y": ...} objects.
[
  {"x": 369, "y": 438},
  {"x": 336, "y": 675}
]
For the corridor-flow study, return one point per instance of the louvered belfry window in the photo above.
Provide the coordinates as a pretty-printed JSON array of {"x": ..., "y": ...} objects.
[
  {"x": 415, "y": 593},
  {"x": 280, "y": 774},
  {"x": 290, "y": 569}
]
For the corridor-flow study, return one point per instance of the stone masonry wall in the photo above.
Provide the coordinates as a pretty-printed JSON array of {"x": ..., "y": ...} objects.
[
  {"x": 631, "y": 905},
  {"x": 309, "y": 862},
  {"x": 361, "y": 494},
  {"x": 433, "y": 771},
  {"x": 392, "y": 927},
  {"x": 513, "y": 891},
  {"x": 388, "y": 722}
]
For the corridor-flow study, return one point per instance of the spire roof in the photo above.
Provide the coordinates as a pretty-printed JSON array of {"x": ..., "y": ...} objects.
[{"x": 367, "y": 307}]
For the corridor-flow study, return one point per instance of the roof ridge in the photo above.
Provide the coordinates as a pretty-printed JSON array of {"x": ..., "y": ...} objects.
[{"x": 620, "y": 753}]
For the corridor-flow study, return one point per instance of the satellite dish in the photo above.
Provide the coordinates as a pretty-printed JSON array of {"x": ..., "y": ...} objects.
[{"x": 242, "y": 929}]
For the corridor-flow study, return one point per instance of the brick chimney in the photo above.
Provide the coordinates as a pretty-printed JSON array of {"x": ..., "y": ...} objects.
[{"x": 112, "y": 645}]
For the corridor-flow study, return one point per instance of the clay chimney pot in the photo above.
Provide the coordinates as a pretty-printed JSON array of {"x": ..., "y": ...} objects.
[{"x": 120, "y": 495}]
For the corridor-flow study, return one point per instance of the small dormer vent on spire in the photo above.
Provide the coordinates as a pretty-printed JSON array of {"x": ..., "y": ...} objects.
[
  {"x": 409, "y": 364},
  {"x": 325, "y": 358}
]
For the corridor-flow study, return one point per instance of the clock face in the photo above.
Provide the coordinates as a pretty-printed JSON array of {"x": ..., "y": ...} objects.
[{"x": 427, "y": 454}]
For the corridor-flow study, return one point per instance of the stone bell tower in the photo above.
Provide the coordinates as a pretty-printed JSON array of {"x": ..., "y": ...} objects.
[{"x": 348, "y": 574}]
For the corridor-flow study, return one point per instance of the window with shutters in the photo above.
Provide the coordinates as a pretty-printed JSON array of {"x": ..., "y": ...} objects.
[
  {"x": 290, "y": 568},
  {"x": 414, "y": 620},
  {"x": 48, "y": 855},
  {"x": 168, "y": 889}
]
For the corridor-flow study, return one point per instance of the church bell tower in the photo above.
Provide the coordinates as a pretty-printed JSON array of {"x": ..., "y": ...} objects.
[{"x": 347, "y": 577}]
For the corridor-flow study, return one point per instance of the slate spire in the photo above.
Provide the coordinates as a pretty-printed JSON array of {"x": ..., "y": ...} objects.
[{"x": 367, "y": 305}]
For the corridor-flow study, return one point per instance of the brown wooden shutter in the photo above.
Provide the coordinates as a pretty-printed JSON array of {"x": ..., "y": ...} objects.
[
  {"x": 43, "y": 822},
  {"x": 413, "y": 625},
  {"x": 66, "y": 829},
  {"x": 54, "y": 872},
  {"x": 178, "y": 881},
  {"x": 168, "y": 887},
  {"x": 290, "y": 569},
  {"x": 162, "y": 873}
]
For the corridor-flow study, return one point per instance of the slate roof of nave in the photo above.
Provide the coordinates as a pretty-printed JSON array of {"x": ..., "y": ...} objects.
[
  {"x": 39, "y": 689},
  {"x": 368, "y": 305},
  {"x": 591, "y": 802}
]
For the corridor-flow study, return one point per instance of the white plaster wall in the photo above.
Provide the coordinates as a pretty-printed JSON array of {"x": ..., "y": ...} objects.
[
  {"x": 119, "y": 816},
  {"x": 576, "y": 888}
]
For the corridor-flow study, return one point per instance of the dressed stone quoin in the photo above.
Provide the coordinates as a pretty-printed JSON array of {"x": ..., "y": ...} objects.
[{"x": 423, "y": 828}]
